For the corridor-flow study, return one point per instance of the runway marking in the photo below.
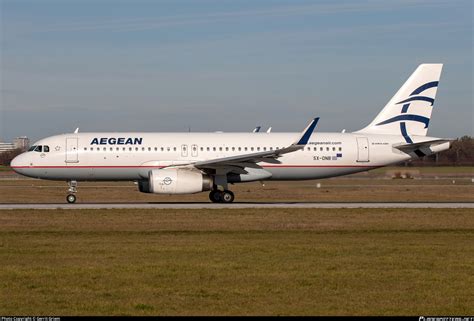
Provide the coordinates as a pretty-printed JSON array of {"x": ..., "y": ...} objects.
[{"x": 231, "y": 206}]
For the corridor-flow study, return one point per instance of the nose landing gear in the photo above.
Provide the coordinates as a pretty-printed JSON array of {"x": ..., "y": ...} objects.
[{"x": 71, "y": 197}]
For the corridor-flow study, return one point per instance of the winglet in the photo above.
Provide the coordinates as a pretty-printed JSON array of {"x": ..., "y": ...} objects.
[{"x": 307, "y": 132}]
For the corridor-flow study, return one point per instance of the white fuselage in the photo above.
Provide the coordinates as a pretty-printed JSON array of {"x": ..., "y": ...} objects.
[{"x": 130, "y": 156}]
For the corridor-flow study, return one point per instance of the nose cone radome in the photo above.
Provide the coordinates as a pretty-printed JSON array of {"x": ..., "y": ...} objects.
[{"x": 18, "y": 164}]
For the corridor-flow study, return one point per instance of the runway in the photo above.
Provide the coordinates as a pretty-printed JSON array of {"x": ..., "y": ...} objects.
[{"x": 49, "y": 206}]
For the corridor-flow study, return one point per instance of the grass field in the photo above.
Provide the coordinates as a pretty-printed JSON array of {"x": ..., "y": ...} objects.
[{"x": 237, "y": 262}]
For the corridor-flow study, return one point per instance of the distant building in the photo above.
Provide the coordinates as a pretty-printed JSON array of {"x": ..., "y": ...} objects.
[{"x": 22, "y": 143}]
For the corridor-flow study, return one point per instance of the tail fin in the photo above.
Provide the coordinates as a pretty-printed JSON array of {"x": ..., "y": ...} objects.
[{"x": 409, "y": 111}]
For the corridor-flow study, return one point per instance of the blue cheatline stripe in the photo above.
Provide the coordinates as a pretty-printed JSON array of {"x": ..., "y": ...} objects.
[
  {"x": 424, "y": 87},
  {"x": 304, "y": 139},
  {"x": 422, "y": 98},
  {"x": 403, "y": 129},
  {"x": 409, "y": 117}
]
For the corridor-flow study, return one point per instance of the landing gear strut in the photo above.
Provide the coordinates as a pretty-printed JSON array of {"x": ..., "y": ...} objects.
[
  {"x": 71, "y": 197},
  {"x": 224, "y": 196}
]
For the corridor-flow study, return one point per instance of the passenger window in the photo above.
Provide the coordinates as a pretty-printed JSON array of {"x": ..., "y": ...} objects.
[
  {"x": 327, "y": 148},
  {"x": 156, "y": 149},
  {"x": 118, "y": 148},
  {"x": 251, "y": 148},
  {"x": 85, "y": 148},
  {"x": 130, "y": 148},
  {"x": 136, "y": 148},
  {"x": 98, "y": 148},
  {"x": 264, "y": 148},
  {"x": 240, "y": 149},
  {"x": 105, "y": 149},
  {"x": 220, "y": 149},
  {"x": 245, "y": 148},
  {"x": 213, "y": 148},
  {"x": 321, "y": 149},
  {"x": 233, "y": 148},
  {"x": 123, "y": 148},
  {"x": 111, "y": 149},
  {"x": 227, "y": 149},
  {"x": 334, "y": 149},
  {"x": 258, "y": 148},
  {"x": 174, "y": 148},
  {"x": 340, "y": 148}
]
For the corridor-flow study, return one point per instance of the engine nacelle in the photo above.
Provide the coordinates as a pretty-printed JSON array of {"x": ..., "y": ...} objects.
[{"x": 175, "y": 181}]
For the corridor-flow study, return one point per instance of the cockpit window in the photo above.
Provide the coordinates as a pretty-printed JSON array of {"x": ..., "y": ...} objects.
[{"x": 39, "y": 148}]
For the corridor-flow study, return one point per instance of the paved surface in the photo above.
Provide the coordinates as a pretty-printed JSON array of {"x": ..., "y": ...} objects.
[{"x": 233, "y": 205}]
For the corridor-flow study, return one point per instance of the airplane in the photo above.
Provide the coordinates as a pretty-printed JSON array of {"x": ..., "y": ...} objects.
[{"x": 187, "y": 163}]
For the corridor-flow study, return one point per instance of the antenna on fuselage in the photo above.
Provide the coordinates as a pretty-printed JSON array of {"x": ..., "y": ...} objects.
[
  {"x": 76, "y": 131},
  {"x": 269, "y": 130}
]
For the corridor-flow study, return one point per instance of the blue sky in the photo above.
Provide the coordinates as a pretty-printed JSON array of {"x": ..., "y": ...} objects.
[{"x": 226, "y": 65}]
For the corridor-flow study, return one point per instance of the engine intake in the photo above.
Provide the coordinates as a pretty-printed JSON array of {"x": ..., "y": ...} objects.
[{"x": 175, "y": 181}]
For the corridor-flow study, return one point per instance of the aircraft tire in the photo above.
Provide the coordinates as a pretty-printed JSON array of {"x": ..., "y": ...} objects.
[
  {"x": 71, "y": 198},
  {"x": 215, "y": 196},
  {"x": 227, "y": 196}
]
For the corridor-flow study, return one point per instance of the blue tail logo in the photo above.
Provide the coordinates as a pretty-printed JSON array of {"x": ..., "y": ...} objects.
[{"x": 414, "y": 96}]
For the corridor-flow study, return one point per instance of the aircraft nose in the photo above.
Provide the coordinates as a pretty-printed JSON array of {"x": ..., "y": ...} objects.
[{"x": 18, "y": 163}]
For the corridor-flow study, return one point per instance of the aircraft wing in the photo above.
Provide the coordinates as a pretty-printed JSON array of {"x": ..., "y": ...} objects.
[{"x": 247, "y": 160}]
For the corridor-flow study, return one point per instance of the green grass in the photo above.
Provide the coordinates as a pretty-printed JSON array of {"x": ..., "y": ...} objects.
[{"x": 237, "y": 262}]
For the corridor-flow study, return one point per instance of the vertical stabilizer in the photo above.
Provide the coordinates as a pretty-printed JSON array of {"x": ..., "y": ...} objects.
[{"x": 409, "y": 111}]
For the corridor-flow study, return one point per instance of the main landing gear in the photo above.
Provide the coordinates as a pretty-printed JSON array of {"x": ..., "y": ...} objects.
[
  {"x": 71, "y": 197},
  {"x": 225, "y": 196}
]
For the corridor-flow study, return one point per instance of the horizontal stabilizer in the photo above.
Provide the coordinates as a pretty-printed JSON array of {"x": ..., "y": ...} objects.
[{"x": 425, "y": 148}]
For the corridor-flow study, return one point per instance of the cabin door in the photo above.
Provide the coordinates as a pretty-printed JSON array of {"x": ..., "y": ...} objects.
[
  {"x": 362, "y": 149},
  {"x": 72, "y": 150}
]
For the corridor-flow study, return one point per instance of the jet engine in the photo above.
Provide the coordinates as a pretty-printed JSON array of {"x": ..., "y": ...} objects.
[{"x": 175, "y": 181}]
